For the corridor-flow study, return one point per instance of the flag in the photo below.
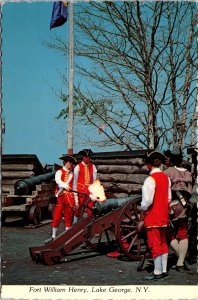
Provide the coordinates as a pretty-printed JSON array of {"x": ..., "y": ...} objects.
[{"x": 59, "y": 14}]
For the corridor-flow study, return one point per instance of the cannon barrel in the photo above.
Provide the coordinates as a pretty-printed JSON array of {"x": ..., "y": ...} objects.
[
  {"x": 26, "y": 186},
  {"x": 102, "y": 208}
]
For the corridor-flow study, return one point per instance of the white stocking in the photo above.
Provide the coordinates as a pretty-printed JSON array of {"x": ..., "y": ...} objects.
[
  {"x": 183, "y": 247},
  {"x": 175, "y": 246},
  {"x": 75, "y": 220},
  {"x": 54, "y": 231},
  {"x": 164, "y": 262},
  {"x": 158, "y": 265}
]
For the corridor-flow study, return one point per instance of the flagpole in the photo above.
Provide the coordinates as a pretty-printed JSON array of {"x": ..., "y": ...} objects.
[{"x": 71, "y": 78}]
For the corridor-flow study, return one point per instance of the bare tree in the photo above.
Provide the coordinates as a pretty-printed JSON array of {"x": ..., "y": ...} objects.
[
  {"x": 135, "y": 71},
  {"x": 182, "y": 65}
]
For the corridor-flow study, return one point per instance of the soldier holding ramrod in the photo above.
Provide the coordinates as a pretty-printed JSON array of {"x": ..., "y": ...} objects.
[{"x": 65, "y": 198}]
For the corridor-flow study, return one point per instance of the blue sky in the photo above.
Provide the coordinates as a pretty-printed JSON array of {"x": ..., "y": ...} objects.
[{"x": 30, "y": 72}]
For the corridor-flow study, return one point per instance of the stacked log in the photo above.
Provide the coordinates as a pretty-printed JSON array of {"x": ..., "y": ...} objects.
[
  {"x": 38, "y": 197},
  {"x": 19, "y": 166},
  {"x": 32, "y": 206},
  {"x": 121, "y": 173}
]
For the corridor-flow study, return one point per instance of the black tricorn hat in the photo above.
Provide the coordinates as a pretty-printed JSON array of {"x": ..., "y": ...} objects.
[
  {"x": 174, "y": 153},
  {"x": 154, "y": 155},
  {"x": 86, "y": 152},
  {"x": 69, "y": 158},
  {"x": 167, "y": 153},
  {"x": 176, "y": 156}
]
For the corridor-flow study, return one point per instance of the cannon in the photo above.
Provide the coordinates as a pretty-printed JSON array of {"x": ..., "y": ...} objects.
[
  {"x": 26, "y": 186},
  {"x": 31, "y": 199},
  {"x": 114, "y": 222}
]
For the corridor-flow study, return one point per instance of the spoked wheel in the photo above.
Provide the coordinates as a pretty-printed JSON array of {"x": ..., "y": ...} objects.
[
  {"x": 131, "y": 240},
  {"x": 86, "y": 208},
  {"x": 104, "y": 241},
  {"x": 35, "y": 215},
  {"x": 50, "y": 210}
]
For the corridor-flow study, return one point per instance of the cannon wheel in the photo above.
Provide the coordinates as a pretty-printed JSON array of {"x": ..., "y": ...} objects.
[
  {"x": 131, "y": 241},
  {"x": 50, "y": 210},
  {"x": 35, "y": 215},
  {"x": 103, "y": 241},
  {"x": 85, "y": 208},
  {"x": 97, "y": 241},
  {"x": 106, "y": 237}
]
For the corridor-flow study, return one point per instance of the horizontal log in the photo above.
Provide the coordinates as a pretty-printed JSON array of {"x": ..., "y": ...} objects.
[
  {"x": 104, "y": 169},
  {"x": 22, "y": 207},
  {"x": 16, "y": 196},
  {"x": 119, "y": 161},
  {"x": 19, "y": 167},
  {"x": 43, "y": 187},
  {"x": 39, "y": 202},
  {"x": 25, "y": 207},
  {"x": 7, "y": 189},
  {"x": 9, "y": 181},
  {"x": 126, "y": 178},
  {"x": 122, "y": 188},
  {"x": 17, "y": 174},
  {"x": 142, "y": 170}
]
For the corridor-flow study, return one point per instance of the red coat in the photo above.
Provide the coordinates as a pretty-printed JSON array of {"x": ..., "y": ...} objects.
[
  {"x": 67, "y": 196},
  {"x": 158, "y": 213},
  {"x": 85, "y": 177}
]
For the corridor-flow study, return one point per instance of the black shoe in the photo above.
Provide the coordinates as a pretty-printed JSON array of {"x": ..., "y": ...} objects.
[
  {"x": 165, "y": 274},
  {"x": 180, "y": 269},
  {"x": 186, "y": 265},
  {"x": 49, "y": 240},
  {"x": 153, "y": 276}
]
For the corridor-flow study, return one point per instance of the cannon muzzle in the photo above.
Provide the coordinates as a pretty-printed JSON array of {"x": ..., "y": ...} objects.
[
  {"x": 102, "y": 208},
  {"x": 26, "y": 186}
]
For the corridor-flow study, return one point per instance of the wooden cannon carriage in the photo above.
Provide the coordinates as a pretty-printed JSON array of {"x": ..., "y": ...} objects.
[{"x": 114, "y": 222}]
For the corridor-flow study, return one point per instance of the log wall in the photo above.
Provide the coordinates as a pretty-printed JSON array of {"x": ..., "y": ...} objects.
[{"x": 122, "y": 173}]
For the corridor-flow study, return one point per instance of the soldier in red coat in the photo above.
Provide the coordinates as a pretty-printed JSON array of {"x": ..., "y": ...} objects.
[
  {"x": 156, "y": 196},
  {"x": 85, "y": 173},
  {"x": 65, "y": 200}
]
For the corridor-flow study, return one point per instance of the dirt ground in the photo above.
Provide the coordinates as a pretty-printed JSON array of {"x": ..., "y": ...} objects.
[
  {"x": 83, "y": 266},
  {"x": 87, "y": 269}
]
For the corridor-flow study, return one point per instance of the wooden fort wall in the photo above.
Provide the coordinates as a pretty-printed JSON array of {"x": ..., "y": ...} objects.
[{"x": 122, "y": 173}]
